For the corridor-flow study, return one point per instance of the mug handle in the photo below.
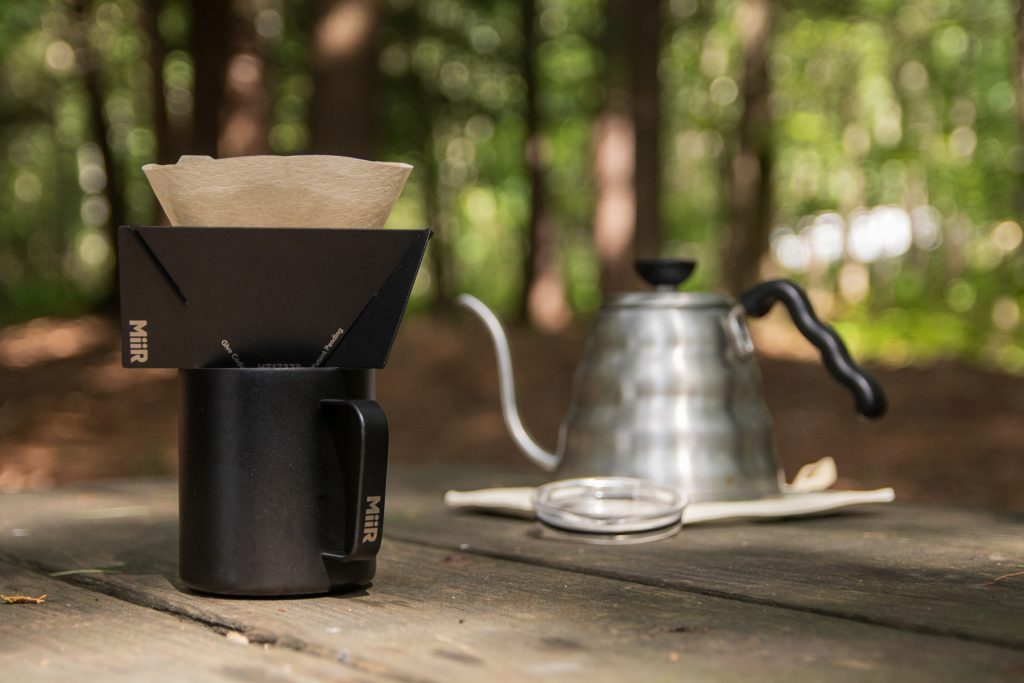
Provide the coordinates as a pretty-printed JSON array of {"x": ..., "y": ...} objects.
[{"x": 359, "y": 430}]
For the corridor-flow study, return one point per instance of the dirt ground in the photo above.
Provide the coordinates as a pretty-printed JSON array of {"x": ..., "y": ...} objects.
[{"x": 68, "y": 412}]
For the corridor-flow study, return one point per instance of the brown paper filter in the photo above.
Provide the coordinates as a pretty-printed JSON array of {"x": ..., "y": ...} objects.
[{"x": 314, "y": 191}]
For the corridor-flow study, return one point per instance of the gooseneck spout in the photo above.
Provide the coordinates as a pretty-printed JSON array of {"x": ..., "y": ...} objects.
[{"x": 544, "y": 459}]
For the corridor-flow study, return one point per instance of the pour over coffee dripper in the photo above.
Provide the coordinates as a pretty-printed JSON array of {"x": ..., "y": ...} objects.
[{"x": 276, "y": 332}]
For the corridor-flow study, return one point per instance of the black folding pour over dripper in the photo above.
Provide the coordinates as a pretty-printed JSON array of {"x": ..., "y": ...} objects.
[
  {"x": 282, "y": 449},
  {"x": 253, "y": 297}
]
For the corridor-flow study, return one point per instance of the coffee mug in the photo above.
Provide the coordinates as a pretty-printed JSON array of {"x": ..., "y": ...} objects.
[{"x": 281, "y": 480}]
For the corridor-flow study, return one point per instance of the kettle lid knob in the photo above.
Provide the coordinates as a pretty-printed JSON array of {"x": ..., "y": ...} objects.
[{"x": 665, "y": 273}]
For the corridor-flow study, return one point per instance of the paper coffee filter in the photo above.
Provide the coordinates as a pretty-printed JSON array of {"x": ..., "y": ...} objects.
[{"x": 315, "y": 191}]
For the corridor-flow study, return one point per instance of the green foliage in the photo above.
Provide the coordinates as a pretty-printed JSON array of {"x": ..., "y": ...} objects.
[
  {"x": 908, "y": 105},
  {"x": 55, "y": 249},
  {"x": 895, "y": 133}
]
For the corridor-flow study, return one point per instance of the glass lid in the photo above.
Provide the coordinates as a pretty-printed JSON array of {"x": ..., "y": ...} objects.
[{"x": 610, "y": 509}]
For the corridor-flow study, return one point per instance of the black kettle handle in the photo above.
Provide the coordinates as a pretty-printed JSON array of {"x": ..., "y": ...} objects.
[
  {"x": 359, "y": 430},
  {"x": 867, "y": 393}
]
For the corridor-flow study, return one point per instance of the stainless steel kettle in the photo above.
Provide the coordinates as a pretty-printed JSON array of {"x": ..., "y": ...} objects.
[{"x": 668, "y": 388}]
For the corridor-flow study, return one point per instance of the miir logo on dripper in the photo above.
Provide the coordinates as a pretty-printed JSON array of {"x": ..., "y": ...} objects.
[{"x": 138, "y": 341}]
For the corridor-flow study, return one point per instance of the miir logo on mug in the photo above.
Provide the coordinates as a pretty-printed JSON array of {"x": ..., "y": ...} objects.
[{"x": 371, "y": 519}]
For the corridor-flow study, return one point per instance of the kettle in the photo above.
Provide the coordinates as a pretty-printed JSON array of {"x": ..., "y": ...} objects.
[{"x": 668, "y": 389}]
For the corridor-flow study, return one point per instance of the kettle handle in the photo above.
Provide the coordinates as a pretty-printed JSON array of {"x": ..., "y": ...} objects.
[
  {"x": 359, "y": 430},
  {"x": 867, "y": 393}
]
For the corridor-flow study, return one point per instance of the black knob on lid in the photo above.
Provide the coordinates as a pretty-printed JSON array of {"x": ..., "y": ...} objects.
[{"x": 665, "y": 272}]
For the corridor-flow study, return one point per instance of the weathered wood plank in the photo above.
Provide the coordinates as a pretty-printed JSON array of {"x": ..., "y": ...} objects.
[
  {"x": 80, "y": 635},
  {"x": 441, "y": 615},
  {"x": 921, "y": 568}
]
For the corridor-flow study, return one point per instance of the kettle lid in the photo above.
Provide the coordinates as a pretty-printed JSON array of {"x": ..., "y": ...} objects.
[{"x": 666, "y": 274}]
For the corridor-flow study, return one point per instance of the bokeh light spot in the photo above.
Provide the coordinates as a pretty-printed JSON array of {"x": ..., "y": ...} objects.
[
  {"x": 27, "y": 187},
  {"x": 1006, "y": 313},
  {"x": 60, "y": 57},
  {"x": 1007, "y": 236},
  {"x": 724, "y": 90},
  {"x": 960, "y": 296}
]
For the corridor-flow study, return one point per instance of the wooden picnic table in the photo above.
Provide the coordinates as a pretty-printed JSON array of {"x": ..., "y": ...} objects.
[{"x": 900, "y": 592}]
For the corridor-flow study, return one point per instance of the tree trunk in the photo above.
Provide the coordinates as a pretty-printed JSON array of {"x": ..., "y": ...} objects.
[
  {"x": 1018, "y": 196},
  {"x": 645, "y": 53},
  {"x": 750, "y": 190},
  {"x": 211, "y": 24},
  {"x": 150, "y": 16},
  {"x": 543, "y": 302},
  {"x": 101, "y": 134},
  {"x": 439, "y": 252},
  {"x": 343, "y": 61},
  {"x": 615, "y": 206},
  {"x": 614, "y": 160},
  {"x": 627, "y": 159},
  {"x": 246, "y": 107}
]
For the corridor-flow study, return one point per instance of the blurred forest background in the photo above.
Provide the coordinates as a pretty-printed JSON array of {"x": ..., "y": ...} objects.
[{"x": 871, "y": 149}]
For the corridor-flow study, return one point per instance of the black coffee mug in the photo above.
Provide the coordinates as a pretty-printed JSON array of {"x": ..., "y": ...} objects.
[{"x": 281, "y": 480}]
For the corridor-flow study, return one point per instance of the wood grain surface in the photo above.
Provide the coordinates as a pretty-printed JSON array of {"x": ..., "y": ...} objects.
[
  {"x": 927, "y": 569},
  {"x": 79, "y": 634},
  {"x": 511, "y": 606}
]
